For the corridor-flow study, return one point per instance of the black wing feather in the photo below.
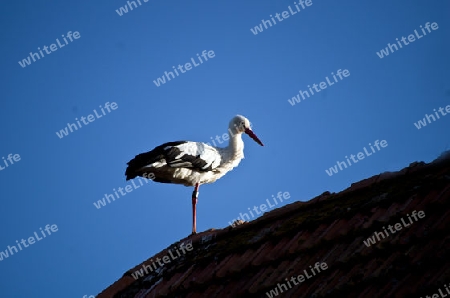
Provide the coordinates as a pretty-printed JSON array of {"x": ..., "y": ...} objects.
[
  {"x": 169, "y": 155},
  {"x": 185, "y": 161}
]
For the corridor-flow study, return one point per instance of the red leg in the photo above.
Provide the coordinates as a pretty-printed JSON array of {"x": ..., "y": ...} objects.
[{"x": 194, "y": 208}]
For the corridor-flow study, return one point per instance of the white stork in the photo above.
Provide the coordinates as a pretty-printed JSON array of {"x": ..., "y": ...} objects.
[{"x": 192, "y": 163}]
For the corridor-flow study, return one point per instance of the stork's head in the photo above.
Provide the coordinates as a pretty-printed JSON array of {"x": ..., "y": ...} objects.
[{"x": 239, "y": 124}]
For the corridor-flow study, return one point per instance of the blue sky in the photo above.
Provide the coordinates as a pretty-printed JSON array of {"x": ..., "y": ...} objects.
[{"x": 116, "y": 58}]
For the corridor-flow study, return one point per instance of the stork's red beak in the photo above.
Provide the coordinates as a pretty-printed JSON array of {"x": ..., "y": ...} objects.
[{"x": 253, "y": 136}]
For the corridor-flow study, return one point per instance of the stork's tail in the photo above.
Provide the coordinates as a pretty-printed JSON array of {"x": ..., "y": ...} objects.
[{"x": 135, "y": 165}]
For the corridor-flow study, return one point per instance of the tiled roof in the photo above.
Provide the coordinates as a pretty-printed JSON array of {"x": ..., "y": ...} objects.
[{"x": 253, "y": 258}]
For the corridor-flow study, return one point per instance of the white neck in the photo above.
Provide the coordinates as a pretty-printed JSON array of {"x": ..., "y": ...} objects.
[
  {"x": 236, "y": 142},
  {"x": 231, "y": 154},
  {"x": 236, "y": 146}
]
